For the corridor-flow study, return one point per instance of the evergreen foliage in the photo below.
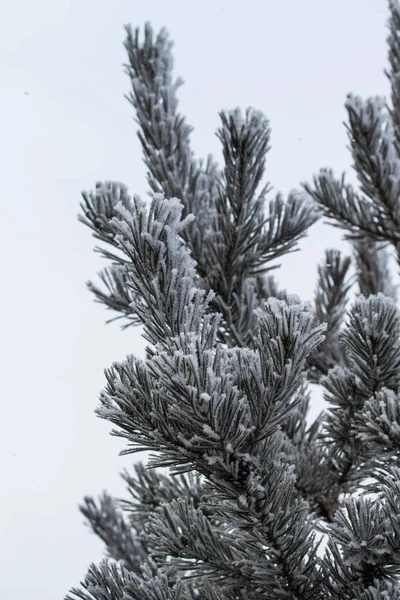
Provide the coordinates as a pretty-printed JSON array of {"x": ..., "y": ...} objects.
[{"x": 222, "y": 395}]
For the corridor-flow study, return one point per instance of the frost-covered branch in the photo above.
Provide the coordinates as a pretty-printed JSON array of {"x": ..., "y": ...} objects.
[
  {"x": 165, "y": 136},
  {"x": 330, "y": 301},
  {"x": 371, "y": 345},
  {"x": 188, "y": 401},
  {"x": 122, "y": 543},
  {"x": 110, "y": 581},
  {"x": 348, "y": 210},
  {"x": 373, "y": 274},
  {"x": 221, "y": 398},
  {"x": 374, "y": 135},
  {"x": 232, "y": 241},
  {"x": 247, "y": 240}
]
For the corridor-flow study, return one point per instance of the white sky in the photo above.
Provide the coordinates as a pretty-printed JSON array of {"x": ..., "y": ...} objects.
[{"x": 64, "y": 125}]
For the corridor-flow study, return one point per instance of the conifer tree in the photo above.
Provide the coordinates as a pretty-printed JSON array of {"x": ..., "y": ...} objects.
[{"x": 222, "y": 395}]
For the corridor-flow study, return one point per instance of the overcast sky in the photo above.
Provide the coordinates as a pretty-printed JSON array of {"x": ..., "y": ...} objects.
[{"x": 65, "y": 125}]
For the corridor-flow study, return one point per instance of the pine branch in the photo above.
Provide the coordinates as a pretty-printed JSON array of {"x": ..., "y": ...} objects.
[
  {"x": 378, "y": 425},
  {"x": 121, "y": 542},
  {"x": 178, "y": 530},
  {"x": 382, "y": 590},
  {"x": 330, "y": 301},
  {"x": 229, "y": 219},
  {"x": 363, "y": 556},
  {"x": 229, "y": 241},
  {"x": 164, "y": 136},
  {"x": 358, "y": 553},
  {"x": 371, "y": 344},
  {"x": 375, "y": 161},
  {"x": 345, "y": 209},
  {"x": 109, "y": 581},
  {"x": 222, "y": 390},
  {"x": 295, "y": 426},
  {"x": 161, "y": 271},
  {"x": 98, "y": 209},
  {"x": 156, "y": 495},
  {"x": 195, "y": 430},
  {"x": 246, "y": 241},
  {"x": 117, "y": 296},
  {"x": 372, "y": 269},
  {"x": 149, "y": 489},
  {"x": 374, "y": 144}
]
